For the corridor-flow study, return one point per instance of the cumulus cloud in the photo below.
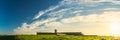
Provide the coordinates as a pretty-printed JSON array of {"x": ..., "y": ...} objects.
[
  {"x": 29, "y": 28},
  {"x": 68, "y": 11},
  {"x": 23, "y": 29}
]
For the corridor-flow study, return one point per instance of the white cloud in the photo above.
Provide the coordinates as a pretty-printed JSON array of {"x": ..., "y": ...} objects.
[
  {"x": 29, "y": 28},
  {"x": 38, "y": 23},
  {"x": 77, "y": 11},
  {"x": 54, "y": 24},
  {"x": 43, "y": 12},
  {"x": 39, "y": 15},
  {"x": 94, "y": 18},
  {"x": 24, "y": 29},
  {"x": 115, "y": 2},
  {"x": 112, "y": 9}
]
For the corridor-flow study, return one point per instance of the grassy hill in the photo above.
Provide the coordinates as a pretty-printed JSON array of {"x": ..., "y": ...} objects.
[{"x": 54, "y": 37}]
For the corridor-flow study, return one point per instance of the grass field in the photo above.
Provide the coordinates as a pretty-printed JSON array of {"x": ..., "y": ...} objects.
[{"x": 54, "y": 37}]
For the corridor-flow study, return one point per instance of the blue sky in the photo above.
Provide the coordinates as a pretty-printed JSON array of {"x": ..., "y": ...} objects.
[
  {"x": 92, "y": 17},
  {"x": 14, "y": 12}
]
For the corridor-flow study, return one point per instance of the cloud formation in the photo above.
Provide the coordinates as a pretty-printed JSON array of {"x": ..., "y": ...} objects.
[
  {"x": 105, "y": 17},
  {"x": 54, "y": 24},
  {"x": 72, "y": 11},
  {"x": 29, "y": 28}
]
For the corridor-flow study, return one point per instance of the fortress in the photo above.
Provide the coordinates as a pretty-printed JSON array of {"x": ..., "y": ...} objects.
[{"x": 57, "y": 33}]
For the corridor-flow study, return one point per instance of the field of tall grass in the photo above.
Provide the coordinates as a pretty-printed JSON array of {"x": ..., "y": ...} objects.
[{"x": 54, "y": 37}]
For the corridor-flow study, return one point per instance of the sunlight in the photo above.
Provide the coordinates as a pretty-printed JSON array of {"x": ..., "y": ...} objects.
[{"x": 115, "y": 27}]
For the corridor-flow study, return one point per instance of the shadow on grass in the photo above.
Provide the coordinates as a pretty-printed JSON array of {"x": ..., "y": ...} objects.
[{"x": 8, "y": 38}]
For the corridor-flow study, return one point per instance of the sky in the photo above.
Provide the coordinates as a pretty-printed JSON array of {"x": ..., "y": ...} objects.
[
  {"x": 14, "y": 12},
  {"x": 91, "y": 17}
]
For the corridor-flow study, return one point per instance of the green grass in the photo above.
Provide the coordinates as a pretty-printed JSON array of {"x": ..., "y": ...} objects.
[{"x": 54, "y": 37}]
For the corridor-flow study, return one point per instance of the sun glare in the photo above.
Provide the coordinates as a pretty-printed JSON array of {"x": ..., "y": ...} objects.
[{"x": 115, "y": 27}]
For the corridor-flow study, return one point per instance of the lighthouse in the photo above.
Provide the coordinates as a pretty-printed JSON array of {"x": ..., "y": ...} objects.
[{"x": 55, "y": 31}]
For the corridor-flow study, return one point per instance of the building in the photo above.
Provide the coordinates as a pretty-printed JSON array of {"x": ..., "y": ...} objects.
[
  {"x": 71, "y": 33},
  {"x": 56, "y": 33},
  {"x": 45, "y": 33}
]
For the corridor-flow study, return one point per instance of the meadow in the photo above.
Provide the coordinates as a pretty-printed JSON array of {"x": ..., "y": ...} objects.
[{"x": 54, "y": 37}]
